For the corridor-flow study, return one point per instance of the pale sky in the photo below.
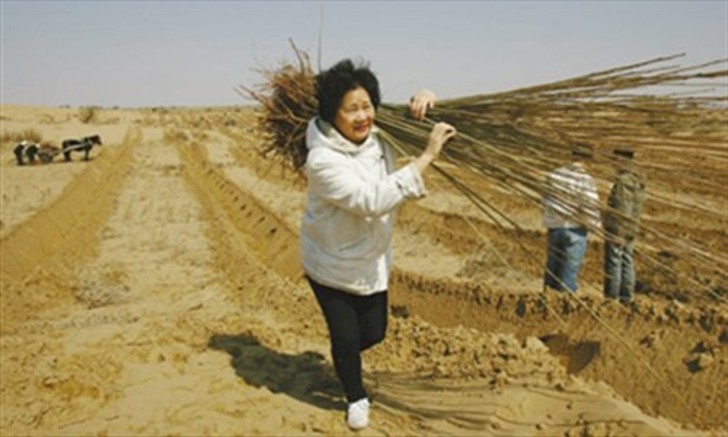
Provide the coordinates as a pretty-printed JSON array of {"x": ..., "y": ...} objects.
[{"x": 164, "y": 53}]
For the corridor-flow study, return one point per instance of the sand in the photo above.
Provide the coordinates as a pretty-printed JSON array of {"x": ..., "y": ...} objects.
[{"x": 156, "y": 289}]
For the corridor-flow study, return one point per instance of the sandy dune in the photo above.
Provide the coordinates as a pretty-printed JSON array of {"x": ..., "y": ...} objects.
[{"x": 155, "y": 289}]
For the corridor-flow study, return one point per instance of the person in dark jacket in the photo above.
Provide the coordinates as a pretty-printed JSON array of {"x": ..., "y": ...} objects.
[{"x": 621, "y": 226}]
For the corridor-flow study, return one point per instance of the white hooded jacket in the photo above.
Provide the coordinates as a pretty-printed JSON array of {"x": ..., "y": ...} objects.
[{"x": 353, "y": 190}]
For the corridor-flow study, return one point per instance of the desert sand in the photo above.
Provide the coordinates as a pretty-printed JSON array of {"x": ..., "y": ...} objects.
[{"x": 155, "y": 290}]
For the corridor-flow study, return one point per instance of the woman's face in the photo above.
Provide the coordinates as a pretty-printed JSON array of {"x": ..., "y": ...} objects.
[{"x": 355, "y": 116}]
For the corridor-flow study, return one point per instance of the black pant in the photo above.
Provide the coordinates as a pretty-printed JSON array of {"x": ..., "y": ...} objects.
[{"x": 355, "y": 324}]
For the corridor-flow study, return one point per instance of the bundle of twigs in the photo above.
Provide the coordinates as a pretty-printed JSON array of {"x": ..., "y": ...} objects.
[
  {"x": 514, "y": 138},
  {"x": 288, "y": 101}
]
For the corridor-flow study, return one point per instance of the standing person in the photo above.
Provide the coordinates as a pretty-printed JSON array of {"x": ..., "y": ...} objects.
[
  {"x": 346, "y": 231},
  {"x": 621, "y": 224},
  {"x": 570, "y": 208}
]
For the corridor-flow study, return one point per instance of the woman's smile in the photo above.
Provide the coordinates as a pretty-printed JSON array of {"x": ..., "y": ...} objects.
[{"x": 362, "y": 128}]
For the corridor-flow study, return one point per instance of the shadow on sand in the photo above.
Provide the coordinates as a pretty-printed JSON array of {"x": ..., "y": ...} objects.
[
  {"x": 305, "y": 377},
  {"x": 308, "y": 378}
]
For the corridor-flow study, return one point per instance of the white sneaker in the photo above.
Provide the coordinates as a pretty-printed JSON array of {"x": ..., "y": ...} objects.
[{"x": 358, "y": 415}]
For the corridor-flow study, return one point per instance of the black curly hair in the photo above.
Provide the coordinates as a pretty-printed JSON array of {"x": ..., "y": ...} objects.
[{"x": 334, "y": 83}]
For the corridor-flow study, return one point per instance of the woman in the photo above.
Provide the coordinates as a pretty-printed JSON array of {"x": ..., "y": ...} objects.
[{"x": 346, "y": 232}]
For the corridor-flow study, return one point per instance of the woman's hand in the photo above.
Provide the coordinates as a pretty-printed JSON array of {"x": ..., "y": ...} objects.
[
  {"x": 421, "y": 102},
  {"x": 441, "y": 133}
]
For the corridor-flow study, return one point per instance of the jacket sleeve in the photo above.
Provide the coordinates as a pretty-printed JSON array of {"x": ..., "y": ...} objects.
[{"x": 331, "y": 177}]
